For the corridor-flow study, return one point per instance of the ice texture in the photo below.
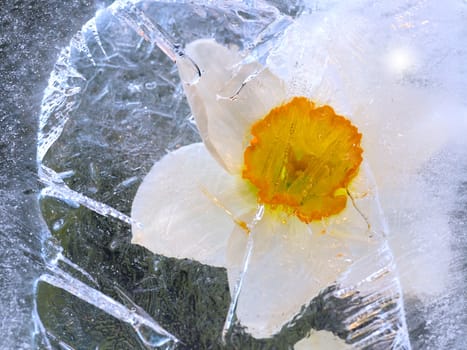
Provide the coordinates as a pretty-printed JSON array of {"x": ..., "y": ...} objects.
[
  {"x": 114, "y": 105},
  {"x": 31, "y": 32}
]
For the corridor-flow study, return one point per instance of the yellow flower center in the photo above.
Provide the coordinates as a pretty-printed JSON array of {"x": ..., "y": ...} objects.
[{"x": 301, "y": 159}]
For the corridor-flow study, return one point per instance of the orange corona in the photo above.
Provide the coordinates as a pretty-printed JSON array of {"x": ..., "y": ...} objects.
[{"x": 301, "y": 159}]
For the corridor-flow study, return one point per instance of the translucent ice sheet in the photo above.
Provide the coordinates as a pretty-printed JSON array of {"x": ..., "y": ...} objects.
[{"x": 114, "y": 105}]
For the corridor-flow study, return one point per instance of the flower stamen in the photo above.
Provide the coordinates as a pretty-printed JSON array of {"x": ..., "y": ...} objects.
[
  {"x": 242, "y": 224},
  {"x": 301, "y": 159}
]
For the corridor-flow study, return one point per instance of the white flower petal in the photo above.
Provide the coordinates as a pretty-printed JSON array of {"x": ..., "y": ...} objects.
[
  {"x": 228, "y": 98},
  {"x": 322, "y": 340},
  {"x": 402, "y": 124},
  {"x": 288, "y": 267},
  {"x": 292, "y": 262},
  {"x": 181, "y": 206},
  {"x": 383, "y": 77}
]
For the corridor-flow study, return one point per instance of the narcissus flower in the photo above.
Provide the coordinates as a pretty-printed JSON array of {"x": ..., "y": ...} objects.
[{"x": 276, "y": 165}]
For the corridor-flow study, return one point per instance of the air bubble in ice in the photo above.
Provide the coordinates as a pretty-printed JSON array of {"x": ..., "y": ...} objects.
[
  {"x": 150, "y": 337},
  {"x": 150, "y": 85},
  {"x": 57, "y": 225}
]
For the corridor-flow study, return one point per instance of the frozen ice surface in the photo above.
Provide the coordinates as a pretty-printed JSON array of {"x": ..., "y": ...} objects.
[
  {"x": 114, "y": 105},
  {"x": 30, "y": 31}
]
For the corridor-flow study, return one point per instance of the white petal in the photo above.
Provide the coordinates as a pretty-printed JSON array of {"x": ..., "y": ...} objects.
[
  {"x": 402, "y": 124},
  {"x": 228, "y": 98},
  {"x": 182, "y": 206},
  {"x": 287, "y": 269},
  {"x": 292, "y": 262},
  {"x": 321, "y": 340}
]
